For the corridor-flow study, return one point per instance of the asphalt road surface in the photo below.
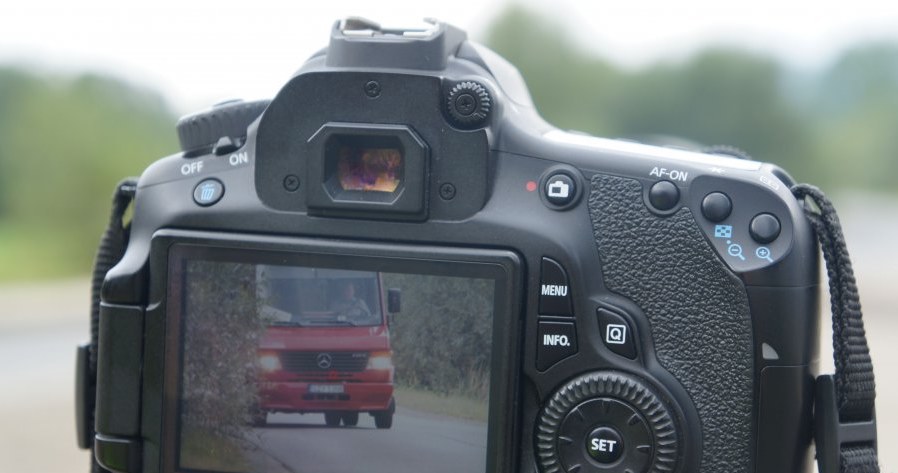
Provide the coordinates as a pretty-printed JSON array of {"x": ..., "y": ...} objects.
[{"x": 417, "y": 442}]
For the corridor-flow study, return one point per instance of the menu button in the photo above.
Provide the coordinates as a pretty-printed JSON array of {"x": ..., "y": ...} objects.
[{"x": 554, "y": 291}]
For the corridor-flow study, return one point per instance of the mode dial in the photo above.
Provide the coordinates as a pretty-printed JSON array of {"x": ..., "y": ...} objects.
[
  {"x": 200, "y": 131},
  {"x": 606, "y": 421}
]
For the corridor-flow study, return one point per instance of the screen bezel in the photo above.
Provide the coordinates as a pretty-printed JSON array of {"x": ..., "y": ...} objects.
[{"x": 503, "y": 267}]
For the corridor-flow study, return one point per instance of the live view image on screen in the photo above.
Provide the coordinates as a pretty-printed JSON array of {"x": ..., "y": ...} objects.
[{"x": 316, "y": 370}]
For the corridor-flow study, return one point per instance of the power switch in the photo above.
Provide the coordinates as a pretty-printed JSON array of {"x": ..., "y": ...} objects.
[
  {"x": 617, "y": 333},
  {"x": 554, "y": 292}
]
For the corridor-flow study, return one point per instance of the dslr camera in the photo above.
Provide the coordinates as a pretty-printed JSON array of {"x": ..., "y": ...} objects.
[{"x": 397, "y": 265}]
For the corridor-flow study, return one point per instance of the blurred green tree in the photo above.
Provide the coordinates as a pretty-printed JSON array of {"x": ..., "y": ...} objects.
[
  {"x": 717, "y": 97},
  {"x": 65, "y": 143},
  {"x": 571, "y": 88},
  {"x": 840, "y": 134},
  {"x": 855, "y": 117}
]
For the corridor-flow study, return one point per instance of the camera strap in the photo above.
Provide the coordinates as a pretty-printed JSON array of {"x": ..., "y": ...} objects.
[
  {"x": 112, "y": 248},
  {"x": 844, "y": 410}
]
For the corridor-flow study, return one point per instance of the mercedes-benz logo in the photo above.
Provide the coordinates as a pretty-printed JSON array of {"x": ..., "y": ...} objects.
[{"x": 324, "y": 361}]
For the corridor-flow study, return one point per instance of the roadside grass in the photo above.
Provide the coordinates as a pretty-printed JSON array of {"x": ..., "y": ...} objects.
[
  {"x": 204, "y": 450},
  {"x": 448, "y": 405}
]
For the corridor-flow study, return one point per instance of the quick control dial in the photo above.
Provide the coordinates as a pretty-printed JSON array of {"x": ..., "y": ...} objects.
[
  {"x": 200, "y": 131},
  {"x": 606, "y": 421}
]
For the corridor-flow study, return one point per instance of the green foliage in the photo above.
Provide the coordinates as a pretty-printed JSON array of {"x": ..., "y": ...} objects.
[
  {"x": 221, "y": 341},
  {"x": 835, "y": 129},
  {"x": 854, "y": 116},
  {"x": 572, "y": 89},
  {"x": 205, "y": 450},
  {"x": 441, "y": 339},
  {"x": 64, "y": 143}
]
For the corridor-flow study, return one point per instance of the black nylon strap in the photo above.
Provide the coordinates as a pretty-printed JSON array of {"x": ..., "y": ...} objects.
[
  {"x": 855, "y": 388},
  {"x": 112, "y": 247}
]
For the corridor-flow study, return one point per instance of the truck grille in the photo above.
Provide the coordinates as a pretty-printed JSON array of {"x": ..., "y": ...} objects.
[{"x": 306, "y": 361}]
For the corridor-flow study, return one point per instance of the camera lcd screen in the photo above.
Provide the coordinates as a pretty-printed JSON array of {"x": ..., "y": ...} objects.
[{"x": 315, "y": 369}]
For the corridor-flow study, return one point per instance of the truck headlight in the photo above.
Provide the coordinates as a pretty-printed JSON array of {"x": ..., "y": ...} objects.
[
  {"x": 380, "y": 360},
  {"x": 269, "y": 362}
]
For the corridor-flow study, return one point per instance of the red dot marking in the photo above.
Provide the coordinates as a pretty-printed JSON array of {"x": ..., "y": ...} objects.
[{"x": 531, "y": 186}]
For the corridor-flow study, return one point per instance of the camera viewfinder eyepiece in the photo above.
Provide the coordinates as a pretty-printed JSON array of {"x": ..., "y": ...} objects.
[{"x": 358, "y": 169}]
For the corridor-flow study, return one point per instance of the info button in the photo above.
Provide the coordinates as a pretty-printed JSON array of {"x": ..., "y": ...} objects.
[{"x": 557, "y": 341}]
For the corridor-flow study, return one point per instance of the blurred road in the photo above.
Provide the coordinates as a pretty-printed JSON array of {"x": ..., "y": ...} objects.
[
  {"x": 417, "y": 442},
  {"x": 41, "y": 324}
]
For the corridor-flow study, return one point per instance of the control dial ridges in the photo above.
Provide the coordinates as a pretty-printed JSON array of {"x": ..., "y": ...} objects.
[
  {"x": 603, "y": 392},
  {"x": 468, "y": 104},
  {"x": 200, "y": 131}
]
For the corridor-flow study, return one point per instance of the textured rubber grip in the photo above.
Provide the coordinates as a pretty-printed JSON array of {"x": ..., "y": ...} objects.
[
  {"x": 698, "y": 311},
  {"x": 201, "y": 130}
]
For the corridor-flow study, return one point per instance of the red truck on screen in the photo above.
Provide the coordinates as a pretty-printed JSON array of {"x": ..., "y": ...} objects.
[{"x": 326, "y": 345}]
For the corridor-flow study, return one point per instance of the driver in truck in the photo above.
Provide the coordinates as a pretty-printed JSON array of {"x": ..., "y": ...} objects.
[{"x": 348, "y": 307}]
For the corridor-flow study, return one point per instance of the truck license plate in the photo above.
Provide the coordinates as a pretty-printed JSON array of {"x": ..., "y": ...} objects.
[{"x": 326, "y": 388}]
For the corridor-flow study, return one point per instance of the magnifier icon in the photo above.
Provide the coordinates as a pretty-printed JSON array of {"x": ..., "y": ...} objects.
[
  {"x": 764, "y": 253},
  {"x": 735, "y": 249}
]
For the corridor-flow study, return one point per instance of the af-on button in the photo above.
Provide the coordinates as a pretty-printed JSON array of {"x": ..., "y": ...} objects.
[{"x": 554, "y": 290}]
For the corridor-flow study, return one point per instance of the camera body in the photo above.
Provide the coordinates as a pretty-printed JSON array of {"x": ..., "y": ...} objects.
[{"x": 579, "y": 304}]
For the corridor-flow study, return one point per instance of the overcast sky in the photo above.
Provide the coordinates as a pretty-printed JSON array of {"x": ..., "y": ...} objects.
[{"x": 200, "y": 52}]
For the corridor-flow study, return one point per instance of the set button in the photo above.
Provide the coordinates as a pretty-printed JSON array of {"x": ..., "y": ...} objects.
[{"x": 605, "y": 445}]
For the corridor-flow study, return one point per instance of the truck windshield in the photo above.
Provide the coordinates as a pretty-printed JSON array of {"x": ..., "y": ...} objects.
[{"x": 319, "y": 297}]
